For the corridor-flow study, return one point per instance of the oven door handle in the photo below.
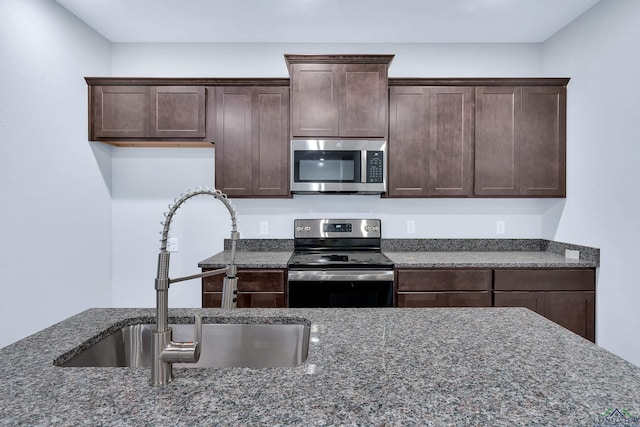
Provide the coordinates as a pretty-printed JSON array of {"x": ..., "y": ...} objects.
[{"x": 340, "y": 275}]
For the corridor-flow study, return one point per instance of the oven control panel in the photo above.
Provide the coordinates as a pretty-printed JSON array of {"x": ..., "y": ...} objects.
[
  {"x": 345, "y": 227},
  {"x": 338, "y": 228}
]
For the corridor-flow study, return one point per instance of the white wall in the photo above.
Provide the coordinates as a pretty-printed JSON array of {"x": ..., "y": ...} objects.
[
  {"x": 55, "y": 216},
  {"x": 599, "y": 52},
  {"x": 267, "y": 60},
  {"x": 61, "y": 211},
  {"x": 145, "y": 180}
]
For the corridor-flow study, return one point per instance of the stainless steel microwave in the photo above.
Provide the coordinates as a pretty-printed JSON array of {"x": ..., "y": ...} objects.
[{"x": 338, "y": 166}]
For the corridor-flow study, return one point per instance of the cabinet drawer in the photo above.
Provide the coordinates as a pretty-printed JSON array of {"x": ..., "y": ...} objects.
[
  {"x": 545, "y": 280},
  {"x": 246, "y": 300},
  {"x": 270, "y": 280},
  {"x": 444, "y": 299},
  {"x": 443, "y": 280}
]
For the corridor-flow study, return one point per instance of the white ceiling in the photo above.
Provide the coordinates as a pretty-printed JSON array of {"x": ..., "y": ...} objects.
[{"x": 328, "y": 21}]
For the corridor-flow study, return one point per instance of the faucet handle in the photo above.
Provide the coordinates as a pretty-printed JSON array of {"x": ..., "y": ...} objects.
[{"x": 184, "y": 352}]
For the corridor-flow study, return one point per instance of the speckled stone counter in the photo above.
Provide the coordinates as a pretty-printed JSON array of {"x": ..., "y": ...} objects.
[
  {"x": 422, "y": 367},
  {"x": 418, "y": 259},
  {"x": 505, "y": 259},
  {"x": 248, "y": 259},
  {"x": 427, "y": 253}
]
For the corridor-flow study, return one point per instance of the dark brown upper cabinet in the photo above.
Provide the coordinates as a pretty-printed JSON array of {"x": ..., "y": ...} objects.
[
  {"x": 147, "y": 112},
  {"x": 520, "y": 141},
  {"x": 516, "y": 129},
  {"x": 339, "y": 96},
  {"x": 430, "y": 141},
  {"x": 119, "y": 112},
  {"x": 497, "y": 141},
  {"x": 178, "y": 111},
  {"x": 251, "y": 140}
]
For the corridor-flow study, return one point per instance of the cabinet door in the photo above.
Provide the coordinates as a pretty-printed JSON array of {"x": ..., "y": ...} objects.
[
  {"x": 246, "y": 300},
  {"x": 566, "y": 297},
  {"x": 314, "y": 100},
  {"x": 451, "y": 141},
  {"x": 497, "y": 141},
  {"x": 260, "y": 300},
  {"x": 363, "y": 100},
  {"x": 444, "y": 299},
  {"x": 422, "y": 299},
  {"x": 469, "y": 299},
  {"x": 408, "y": 142},
  {"x": 234, "y": 141},
  {"x": 542, "y": 141},
  {"x": 119, "y": 112},
  {"x": 178, "y": 112},
  {"x": 271, "y": 142},
  {"x": 573, "y": 310},
  {"x": 257, "y": 288},
  {"x": 532, "y": 300},
  {"x": 211, "y": 299}
]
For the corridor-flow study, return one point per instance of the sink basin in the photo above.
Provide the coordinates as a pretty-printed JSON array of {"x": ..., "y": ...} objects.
[{"x": 253, "y": 345}]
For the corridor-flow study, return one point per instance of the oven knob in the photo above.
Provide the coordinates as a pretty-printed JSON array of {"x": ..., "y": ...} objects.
[
  {"x": 376, "y": 228},
  {"x": 299, "y": 228},
  {"x": 367, "y": 228},
  {"x": 307, "y": 228}
]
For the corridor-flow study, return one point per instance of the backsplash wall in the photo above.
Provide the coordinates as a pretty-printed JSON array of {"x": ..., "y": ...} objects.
[{"x": 146, "y": 180}]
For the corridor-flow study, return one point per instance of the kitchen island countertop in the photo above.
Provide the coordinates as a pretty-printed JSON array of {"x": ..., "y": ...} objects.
[{"x": 387, "y": 366}]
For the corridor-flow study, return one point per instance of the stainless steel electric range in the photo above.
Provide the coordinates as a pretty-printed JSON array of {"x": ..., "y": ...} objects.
[{"x": 338, "y": 263}]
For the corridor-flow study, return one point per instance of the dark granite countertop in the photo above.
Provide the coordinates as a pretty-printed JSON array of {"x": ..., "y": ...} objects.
[
  {"x": 458, "y": 259},
  {"x": 418, "y": 259},
  {"x": 388, "y": 366},
  {"x": 427, "y": 253},
  {"x": 473, "y": 259},
  {"x": 248, "y": 259}
]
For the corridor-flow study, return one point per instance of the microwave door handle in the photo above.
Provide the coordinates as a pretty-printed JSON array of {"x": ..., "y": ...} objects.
[{"x": 363, "y": 166}]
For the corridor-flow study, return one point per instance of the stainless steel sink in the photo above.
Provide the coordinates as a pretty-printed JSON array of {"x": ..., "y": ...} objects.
[{"x": 253, "y": 345}]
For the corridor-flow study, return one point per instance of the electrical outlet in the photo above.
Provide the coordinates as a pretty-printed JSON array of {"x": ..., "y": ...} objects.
[
  {"x": 411, "y": 227},
  {"x": 571, "y": 254},
  {"x": 264, "y": 227},
  {"x": 499, "y": 227},
  {"x": 172, "y": 244}
]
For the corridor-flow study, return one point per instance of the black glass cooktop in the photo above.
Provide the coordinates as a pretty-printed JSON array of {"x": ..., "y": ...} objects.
[{"x": 341, "y": 259}]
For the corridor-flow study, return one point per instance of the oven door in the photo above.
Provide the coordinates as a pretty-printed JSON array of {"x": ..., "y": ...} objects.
[{"x": 340, "y": 288}]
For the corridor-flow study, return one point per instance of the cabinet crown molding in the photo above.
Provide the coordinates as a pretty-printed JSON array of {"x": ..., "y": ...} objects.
[
  {"x": 338, "y": 59},
  {"x": 186, "y": 81},
  {"x": 478, "y": 81}
]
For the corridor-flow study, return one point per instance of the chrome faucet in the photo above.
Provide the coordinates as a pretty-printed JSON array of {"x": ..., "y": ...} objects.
[{"x": 165, "y": 352}]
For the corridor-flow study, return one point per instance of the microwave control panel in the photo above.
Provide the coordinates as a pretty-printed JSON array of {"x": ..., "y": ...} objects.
[{"x": 375, "y": 168}]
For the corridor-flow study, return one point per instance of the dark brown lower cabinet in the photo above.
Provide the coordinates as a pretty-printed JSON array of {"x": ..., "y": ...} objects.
[
  {"x": 566, "y": 297},
  {"x": 257, "y": 288},
  {"x": 443, "y": 288},
  {"x": 444, "y": 299}
]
